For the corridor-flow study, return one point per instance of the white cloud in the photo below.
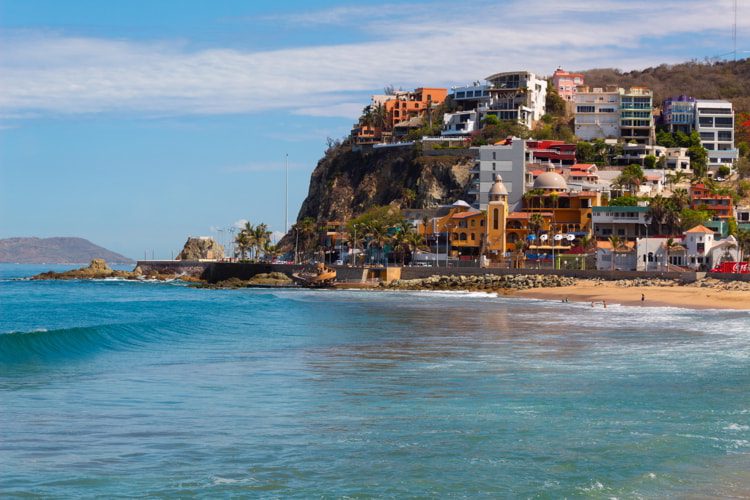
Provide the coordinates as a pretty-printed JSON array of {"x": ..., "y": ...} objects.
[{"x": 440, "y": 44}]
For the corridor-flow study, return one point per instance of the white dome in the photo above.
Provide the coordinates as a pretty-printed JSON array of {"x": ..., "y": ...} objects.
[{"x": 551, "y": 181}]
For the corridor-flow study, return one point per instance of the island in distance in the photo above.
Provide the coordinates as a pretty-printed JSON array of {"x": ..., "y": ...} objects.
[{"x": 59, "y": 250}]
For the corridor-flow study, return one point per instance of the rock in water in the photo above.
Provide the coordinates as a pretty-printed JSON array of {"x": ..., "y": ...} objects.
[{"x": 202, "y": 248}]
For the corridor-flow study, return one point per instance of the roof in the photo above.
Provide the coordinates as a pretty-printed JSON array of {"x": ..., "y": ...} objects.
[
  {"x": 464, "y": 215},
  {"x": 700, "y": 229},
  {"x": 582, "y": 166},
  {"x": 527, "y": 215},
  {"x": 498, "y": 188},
  {"x": 550, "y": 180},
  {"x": 606, "y": 245},
  {"x": 620, "y": 208},
  {"x": 461, "y": 203}
]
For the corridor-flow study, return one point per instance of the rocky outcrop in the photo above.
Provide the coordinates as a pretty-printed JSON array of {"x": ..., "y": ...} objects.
[
  {"x": 202, "y": 248},
  {"x": 486, "y": 282},
  {"x": 97, "y": 269},
  {"x": 274, "y": 279},
  {"x": 346, "y": 183}
]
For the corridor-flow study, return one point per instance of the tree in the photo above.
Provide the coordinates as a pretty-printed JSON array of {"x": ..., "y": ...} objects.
[
  {"x": 669, "y": 246},
  {"x": 623, "y": 201},
  {"x": 305, "y": 232},
  {"x": 690, "y": 218},
  {"x": 631, "y": 178},
  {"x": 554, "y": 104},
  {"x": 657, "y": 210},
  {"x": 617, "y": 245},
  {"x": 743, "y": 241},
  {"x": 584, "y": 152},
  {"x": 650, "y": 161},
  {"x": 243, "y": 241},
  {"x": 536, "y": 222},
  {"x": 260, "y": 238},
  {"x": 408, "y": 195}
]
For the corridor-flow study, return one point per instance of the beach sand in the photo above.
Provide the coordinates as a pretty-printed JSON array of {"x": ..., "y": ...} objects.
[{"x": 674, "y": 296}]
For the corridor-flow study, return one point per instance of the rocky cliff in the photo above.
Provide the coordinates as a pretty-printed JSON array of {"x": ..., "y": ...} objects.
[{"x": 346, "y": 183}]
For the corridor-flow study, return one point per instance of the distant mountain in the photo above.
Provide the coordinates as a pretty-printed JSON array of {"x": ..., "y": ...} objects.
[{"x": 55, "y": 251}]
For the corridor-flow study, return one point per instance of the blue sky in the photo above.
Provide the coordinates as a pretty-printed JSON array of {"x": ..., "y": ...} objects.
[{"x": 135, "y": 124}]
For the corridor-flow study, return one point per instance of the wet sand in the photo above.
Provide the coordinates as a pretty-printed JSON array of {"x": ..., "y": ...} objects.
[{"x": 673, "y": 296}]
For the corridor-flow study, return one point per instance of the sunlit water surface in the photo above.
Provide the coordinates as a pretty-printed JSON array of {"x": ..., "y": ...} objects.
[{"x": 114, "y": 388}]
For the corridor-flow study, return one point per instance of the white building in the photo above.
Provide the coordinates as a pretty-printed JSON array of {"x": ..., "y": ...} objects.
[
  {"x": 636, "y": 117},
  {"x": 622, "y": 221},
  {"x": 460, "y": 123},
  {"x": 714, "y": 121},
  {"x": 508, "y": 160},
  {"x": 597, "y": 112},
  {"x": 704, "y": 252},
  {"x": 518, "y": 96}
]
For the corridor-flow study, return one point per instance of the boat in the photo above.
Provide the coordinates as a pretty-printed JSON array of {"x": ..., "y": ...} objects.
[{"x": 320, "y": 277}]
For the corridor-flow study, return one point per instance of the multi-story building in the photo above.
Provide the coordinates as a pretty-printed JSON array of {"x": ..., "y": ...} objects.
[
  {"x": 517, "y": 96},
  {"x": 460, "y": 123},
  {"x": 636, "y": 118},
  {"x": 555, "y": 152},
  {"x": 719, "y": 206},
  {"x": 566, "y": 83},
  {"x": 624, "y": 222},
  {"x": 508, "y": 160},
  {"x": 714, "y": 121},
  {"x": 597, "y": 112},
  {"x": 470, "y": 96},
  {"x": 678, "y": 113},
  {"x": 406, "y": 105}
]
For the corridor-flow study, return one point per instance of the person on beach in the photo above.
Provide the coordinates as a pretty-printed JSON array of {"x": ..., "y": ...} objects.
[
  {"x": 643, "y": 297},
  {"x": 604, "y": 303}
]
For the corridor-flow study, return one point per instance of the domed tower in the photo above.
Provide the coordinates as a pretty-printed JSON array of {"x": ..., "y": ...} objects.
[
  {"x": 497, "y": 215},
  {"x": 550, "y": 181}
]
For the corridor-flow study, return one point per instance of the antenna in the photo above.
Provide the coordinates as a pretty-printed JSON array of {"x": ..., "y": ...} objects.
[{"x": 734, "y": 32}]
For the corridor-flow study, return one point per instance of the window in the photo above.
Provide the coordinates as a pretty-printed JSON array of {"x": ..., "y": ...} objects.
[
  {"x": 585, "y": 109},
  {"x": 725, "y": 135},
  {"x": 473, "y": 237},
  {"x": 724, "y": 121},
  {"x": 706, "y": 121},
  {"x": 495, "y": 217},
  {"x": 707, "y": 136},
  {"x": 494, "y": 155}
]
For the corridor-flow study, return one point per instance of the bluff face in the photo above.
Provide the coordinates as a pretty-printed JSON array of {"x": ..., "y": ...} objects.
[{"x": 346, "y": 183}]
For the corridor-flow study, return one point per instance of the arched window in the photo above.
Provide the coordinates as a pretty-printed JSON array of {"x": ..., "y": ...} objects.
[
  {"x": 495, "y": 217},
  {"x": 462, "y": 237},
  {"x": 473, "y": 237}
]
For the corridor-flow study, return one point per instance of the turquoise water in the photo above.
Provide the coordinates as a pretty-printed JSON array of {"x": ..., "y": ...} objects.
[{"x": 155, "y": 389}]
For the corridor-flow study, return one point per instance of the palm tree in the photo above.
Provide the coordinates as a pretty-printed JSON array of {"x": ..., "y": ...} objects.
[
  {"x": 243, "y": 241},
  {"x": 377, "y": 232},
  {"x": 520, "y": 246},
  {"x": 743, "y": 240},
  {"x": 305, "y": 232},
  {"x": 680, "y": 198},
  {"x": 669, "y": 246},
  {"x": 261, "y": 236},
  {"x": 617, "y": 245},
  {"x": 657, "y": 210}
]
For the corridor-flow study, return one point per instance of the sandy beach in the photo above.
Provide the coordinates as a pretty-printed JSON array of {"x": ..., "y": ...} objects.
[{"x": 687, "y": 296}]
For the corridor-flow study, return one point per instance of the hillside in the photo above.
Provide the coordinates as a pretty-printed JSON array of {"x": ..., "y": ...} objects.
[
  {"x": 55, "y": 251},
  {"x": 703, "y": 80}
]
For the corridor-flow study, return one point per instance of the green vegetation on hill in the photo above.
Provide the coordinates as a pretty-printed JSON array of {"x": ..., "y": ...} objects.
[{"x": 704, "y": 80}]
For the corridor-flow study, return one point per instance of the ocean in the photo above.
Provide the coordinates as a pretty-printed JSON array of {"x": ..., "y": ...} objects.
[{"x": 113, "y": 388}]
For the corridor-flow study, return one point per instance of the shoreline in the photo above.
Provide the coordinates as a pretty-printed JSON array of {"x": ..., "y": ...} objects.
[{"x": 682, "y": 296}]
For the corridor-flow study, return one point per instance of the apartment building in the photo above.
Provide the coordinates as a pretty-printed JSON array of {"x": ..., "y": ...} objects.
[
  {"x": 714, "y": 121},
  {"x": 597, "y": 112},
  {"x": 566, "y": 83},
  {"x": 508, "y": 160},
  {"x": 678, "y": 114},
  {"x": 636, "y": 117},
  {"x": 517, "y": 96}
]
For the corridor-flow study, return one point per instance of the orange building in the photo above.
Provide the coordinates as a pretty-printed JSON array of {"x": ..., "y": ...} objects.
[
  {"x": 406, "y": 105},
  {"x": 719, "y": 206}
]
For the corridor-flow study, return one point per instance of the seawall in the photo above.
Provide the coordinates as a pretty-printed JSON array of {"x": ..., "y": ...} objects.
[{"x": 219, "y": 271}]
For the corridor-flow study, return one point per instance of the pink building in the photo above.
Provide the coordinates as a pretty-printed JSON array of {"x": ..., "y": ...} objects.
[{"x": 566, "y": 83}]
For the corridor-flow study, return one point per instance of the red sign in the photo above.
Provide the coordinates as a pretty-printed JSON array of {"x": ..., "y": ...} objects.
[{"x": 731, "y": 267}]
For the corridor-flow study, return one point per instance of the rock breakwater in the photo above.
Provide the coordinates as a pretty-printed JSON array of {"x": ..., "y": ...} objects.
[{"x": 486, "y": 283}]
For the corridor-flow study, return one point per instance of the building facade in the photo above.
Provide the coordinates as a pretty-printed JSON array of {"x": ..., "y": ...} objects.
[
  {"x": 566, "y": 83},
  {"x": 636, "y": 117},
  {"x": 518, "y": 96},
  {"x": 714, "y": 121},
  {"x": 508, "y": 160},
  {"x": 597, "y": 112}
]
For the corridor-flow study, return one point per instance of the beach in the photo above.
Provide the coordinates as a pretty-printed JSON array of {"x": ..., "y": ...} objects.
[{"x": 713, "y": 296}]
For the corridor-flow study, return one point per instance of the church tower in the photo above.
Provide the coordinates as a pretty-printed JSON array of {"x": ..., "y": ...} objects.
[{"x": 497, "y": 215}]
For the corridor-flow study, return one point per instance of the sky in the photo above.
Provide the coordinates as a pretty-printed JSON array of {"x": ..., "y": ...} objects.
[{"x": 137, "y": 124}]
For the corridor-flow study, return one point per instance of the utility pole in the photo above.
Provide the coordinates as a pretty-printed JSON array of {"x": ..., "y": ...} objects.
[{"x": 286, "y": 193}]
